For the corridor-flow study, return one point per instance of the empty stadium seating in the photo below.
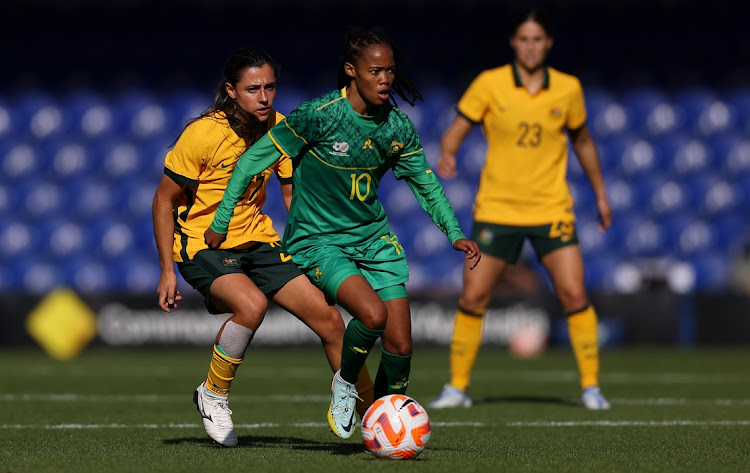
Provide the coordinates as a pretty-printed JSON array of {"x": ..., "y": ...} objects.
[{"x": 79, "y": 171}]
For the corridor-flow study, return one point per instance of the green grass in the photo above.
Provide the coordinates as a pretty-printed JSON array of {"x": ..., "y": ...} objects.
[{"x": 131, "y": 410}]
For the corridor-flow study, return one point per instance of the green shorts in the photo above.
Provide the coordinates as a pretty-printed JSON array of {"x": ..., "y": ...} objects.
[
  {"x": 381, "y": 261},
  {"x": 263, "y": 263},
  {"x": 506, "y": 241}
]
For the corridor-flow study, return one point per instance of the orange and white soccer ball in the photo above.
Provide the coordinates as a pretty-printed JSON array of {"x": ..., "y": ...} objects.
[{"x": 396, "y": 426}]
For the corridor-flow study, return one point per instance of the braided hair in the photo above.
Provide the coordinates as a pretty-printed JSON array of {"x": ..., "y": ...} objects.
[{"x": 356, "y": 41}]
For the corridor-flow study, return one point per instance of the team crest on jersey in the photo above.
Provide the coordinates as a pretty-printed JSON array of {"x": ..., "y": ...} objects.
[
  {"x": 340, "y": 148},
  {"x": 485, "y": 236},
  {"x": 396, "y": 149},
  {"x": 555, "y": 112},
  {"x": 231, "y": 262}
]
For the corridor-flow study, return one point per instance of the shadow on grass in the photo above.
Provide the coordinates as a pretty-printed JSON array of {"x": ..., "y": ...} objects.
[
  {"x": 265, "y": 441},
  {"x": 561, "y": 401}
]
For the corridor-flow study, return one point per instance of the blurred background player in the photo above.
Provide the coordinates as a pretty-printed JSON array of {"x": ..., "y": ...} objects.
[
  {"x": 342, "y": 144},
  {"x": 525, "y": 109},
  {"x": 249, "y": 267}
]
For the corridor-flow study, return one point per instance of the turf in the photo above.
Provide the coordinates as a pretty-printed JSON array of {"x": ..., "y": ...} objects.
[{"x": 131, "y": 410}]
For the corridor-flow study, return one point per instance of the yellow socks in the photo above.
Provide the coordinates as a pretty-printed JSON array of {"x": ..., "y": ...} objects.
[
  {"x": 465, "y": 342},
  {"x": 583, "y": 339},
  {"x": 365, "y": 390},
  {"x": 221, "y": 372}
]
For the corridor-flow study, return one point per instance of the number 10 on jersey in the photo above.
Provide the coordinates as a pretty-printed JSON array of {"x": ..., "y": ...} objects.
[{"x": 358, "y": 185}]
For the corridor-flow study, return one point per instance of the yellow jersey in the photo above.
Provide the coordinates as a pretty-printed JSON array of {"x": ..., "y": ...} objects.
[
  {"x": 203, "y": 158},
  {"x": 523, "y": 181}
]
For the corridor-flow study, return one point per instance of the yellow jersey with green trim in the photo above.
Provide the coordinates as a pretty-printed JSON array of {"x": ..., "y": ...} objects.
[
  {"x": 203, "y": 159},
  {"x": 523, "y": 181}
]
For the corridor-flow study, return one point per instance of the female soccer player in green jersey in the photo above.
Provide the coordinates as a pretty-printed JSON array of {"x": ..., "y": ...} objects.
[
  {"x": 342, "y": 144},
  {"x": 527, "y": 110},
  {"x": 249, "y": 268}
]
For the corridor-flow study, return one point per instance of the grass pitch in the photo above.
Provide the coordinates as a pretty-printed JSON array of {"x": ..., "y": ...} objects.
[{"x": 132, "y": 411}]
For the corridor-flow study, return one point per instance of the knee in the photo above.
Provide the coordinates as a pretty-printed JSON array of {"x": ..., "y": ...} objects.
[
  {"x": 400, "y": 347},
  {"x": 250, "y": 312},
  {"x": 572, "y": 298},
  {"x": 374, "y": 316},
  {"x": 334, "y": 326},
  {"x": 474, "y": 302}
]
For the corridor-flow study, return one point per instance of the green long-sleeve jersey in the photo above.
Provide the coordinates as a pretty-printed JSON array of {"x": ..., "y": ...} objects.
[{"x": 339, "y": 158}]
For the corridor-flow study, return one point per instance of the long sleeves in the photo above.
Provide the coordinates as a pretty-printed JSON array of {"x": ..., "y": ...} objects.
[{"x": 429, "y": 193}]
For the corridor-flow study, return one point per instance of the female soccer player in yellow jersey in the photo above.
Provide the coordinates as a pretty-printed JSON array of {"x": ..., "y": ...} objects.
[
  {"x": 525, "y": 109},
  {"x": 249, "y": 267}
]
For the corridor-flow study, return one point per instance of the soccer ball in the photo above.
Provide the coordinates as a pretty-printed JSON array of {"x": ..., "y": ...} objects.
[
  {"x": 529, "y": 341},
  {"x": 396, "y": 426}
]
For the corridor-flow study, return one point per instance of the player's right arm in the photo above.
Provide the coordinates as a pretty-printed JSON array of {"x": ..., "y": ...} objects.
[
  {"x": 161, "y": 212},
  {"x": 450, "y": 143},
  {"x": 255, "y": 160}
]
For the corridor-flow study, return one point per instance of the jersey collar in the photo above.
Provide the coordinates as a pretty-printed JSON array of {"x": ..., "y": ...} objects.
[{"x": 517, "y": 77}]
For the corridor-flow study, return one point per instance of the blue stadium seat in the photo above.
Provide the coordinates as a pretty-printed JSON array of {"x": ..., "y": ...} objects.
[
  {"x": 623, "y": 196},
  {"x": 91, "y": 199},
  {"x": 113, "y": 239},
  {"x": 641, "y": 237},
  {"x": 605, "y": 116},
  {"x": 18, "y": 239},
  {"x": 690, "y": 157},
  {"x": 20, "y": 160},
  {"x": 716, "y": 196},
  {"x": 38, "y": 115},
  {"x": 69, "y": 160},
  {"x": 686, "y": 234},
  {"x": 137, "y": 275},
  {"x": 732, "y": 154},
  {"x": 583, "y": 197},
  {"x": 40, "y": 199},
  {"x": 139, "y": 115},
  {"x": 91, "y": 116},
  {"x": 637, "y": 157},
  {"x": 37, "y": 275},
  {"x": 649, "y": 111},
  {"x": 663, "y": 196},
  {"x": 118, "y": 159},
  {"x": 703, "y": 111},
  {"x": 64, "y": 238},
  {"x": 87, "y": 276}
]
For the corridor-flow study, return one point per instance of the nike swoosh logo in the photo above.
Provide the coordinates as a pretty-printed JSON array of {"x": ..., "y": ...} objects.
[
  {"x": 224, "y": 167},
  {"x": 349, "y": 426},
  {"x": 359, "y": 350}
]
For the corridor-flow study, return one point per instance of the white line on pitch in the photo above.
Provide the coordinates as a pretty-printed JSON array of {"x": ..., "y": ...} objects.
[
  {"x": 633, "y": 423},
  {"x": 262, "y": 425}
]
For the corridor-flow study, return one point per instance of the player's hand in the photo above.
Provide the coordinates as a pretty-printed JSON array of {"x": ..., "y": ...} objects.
[
  {"x": 446, "y": 167},
  {"x": 213, "y": 239},
  {"x": 605, "y": 213},
  {"x": 168, "y": 293},
  {"x": 470, "y": 248}
]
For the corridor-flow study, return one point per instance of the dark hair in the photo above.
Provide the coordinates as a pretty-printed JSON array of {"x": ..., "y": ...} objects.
[
  {"x": 245, "y": 124},
  {"x": 356, "y": 41},
  {"x": 536, "y": 15}
]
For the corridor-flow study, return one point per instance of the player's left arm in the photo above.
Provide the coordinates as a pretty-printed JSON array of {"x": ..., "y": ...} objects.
[
  {"x": 587, "y": 155},
  {"x": 429, "y": 193}
]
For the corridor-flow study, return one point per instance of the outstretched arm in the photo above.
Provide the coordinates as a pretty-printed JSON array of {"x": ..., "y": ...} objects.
[
  {"x": 429, "y": 193},
  {"x": 585, "y": 150},
  {"x": 253, "y": 161}
]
